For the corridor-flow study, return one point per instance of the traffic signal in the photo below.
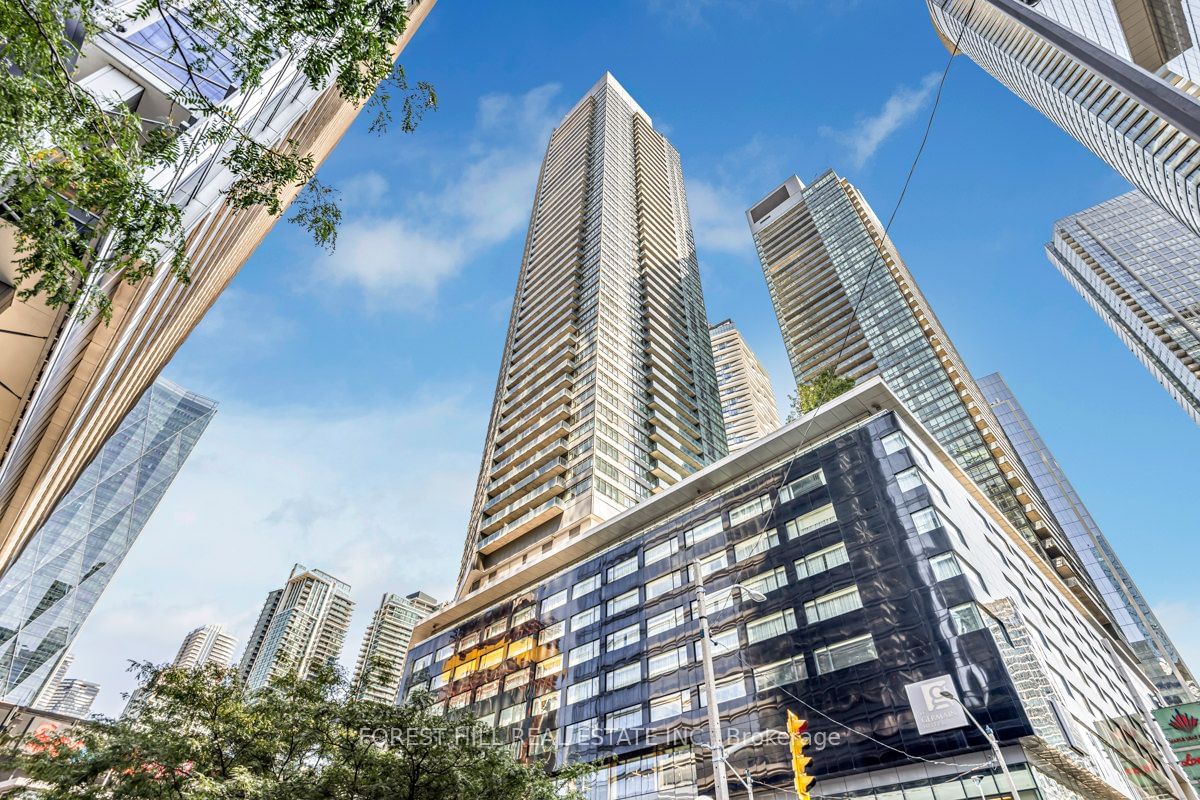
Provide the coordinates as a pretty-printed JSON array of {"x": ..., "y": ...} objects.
[{"x": 798, "y": 735}]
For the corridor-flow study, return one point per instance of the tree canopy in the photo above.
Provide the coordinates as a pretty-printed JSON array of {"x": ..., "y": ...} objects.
[
  {"x": 82, "y": 177},
  {"x": 823, "y": 387},
  {"x": 199, "y": 735}
]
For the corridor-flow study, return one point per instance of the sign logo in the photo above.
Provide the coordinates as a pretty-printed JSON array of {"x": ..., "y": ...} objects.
[
  {"x": 932, "y": 709},
  {"x": 1183, "y": 722}
]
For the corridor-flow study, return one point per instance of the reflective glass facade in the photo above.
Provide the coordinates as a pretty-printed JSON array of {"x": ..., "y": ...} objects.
[
  {"x": 1160, "y": 660},
  {"x": 55, "y": 582},
  {"x": 1139, "y": 269},
  {"x": 882, "y": 565}
]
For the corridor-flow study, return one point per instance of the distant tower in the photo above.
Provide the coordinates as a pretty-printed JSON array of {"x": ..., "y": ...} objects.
[
  {"x": 307, "y": 627},
  {"x": 386, "y": 641},
  {"x": 748, "y": 405},
  {"x": 259, "y": 636},
  {"x": 74, "y": 697},
  {"x": 208, "y": 644},
  {"x": 1139, "y": 269},
  {"x": 50, "y": 688}
]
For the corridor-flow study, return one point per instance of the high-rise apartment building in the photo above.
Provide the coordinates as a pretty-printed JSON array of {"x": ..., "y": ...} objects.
[
  {"x": 748, "y": 404},
  {"x": 606, "y": 392},
  {"x": 385, "y": 644},
  {"x": 882, "y": 575},
  {"x": 301, "y": 626},
  {"x": 44, "y": 697},
  {"x": 1139, "y": 269},
  {"x": 68, "y": 381},
  {"x": 1121, "y": 76},
  {"x": 1159, "y": 659},
  {"x": 846, "y": 301},
  {"x": 208, "y": 644},
  {"x": 56, "y": 580},
  {"x": 74, "y": 697}
]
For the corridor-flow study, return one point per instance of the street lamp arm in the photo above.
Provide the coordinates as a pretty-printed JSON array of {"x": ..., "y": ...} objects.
[{"x": 991, "y": 739}]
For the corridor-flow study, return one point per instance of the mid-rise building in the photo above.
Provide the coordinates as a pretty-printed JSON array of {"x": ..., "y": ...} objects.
[
  {"x": 847, "y": 302},
  {"x": 1139, "y": 269},
  {"x": 48, "y": 592},
  {"x": 69, "y": 380},
  {"x": 1120, "y": 76},
  {"x": 74, "y": 697},
  {"x": 208, "y": 644},
  {"x": 1159, "y": 658},
  {"x": 853, "y": 572},
  {"x": 748, "y": 405},
  {"x": 385, "y": 644},
  {"x": 606, "y": 393},
  {"x": 301, "y": 627}
]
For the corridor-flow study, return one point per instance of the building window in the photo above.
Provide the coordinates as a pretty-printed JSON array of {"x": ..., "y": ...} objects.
[
  {"x": 965, "y": 618},
  {"x": 622, "y": 638},
  {"x": 671, "y": 705},
  {"x": 545, "y": 704},
  {"x": 522, "y": 615},
  {"x": 768, "y": 581},
  {"x": 909, "y": 479},
  {"x": 945, "y": 567},
  {"x": 813, "y": 520},
  {"x": 833, "y": 605},
  {"x": 580, "y": 732},
  {"x": 515, "y": 680},
  {"x": 556, "y": 600},
  {"x": 422, "y": 663},
  {"x": 703, "y": 531},
  {"x": 585, "y": 586},
  {"x": 668, "y": 661},
  {"x": 658, "y": 552},
  {"x": 496, "y": 629},
  {"x": 623, "y": 602},
  {"x": 755, "y": 545},
  {"x": 439, "y": 680},
  {"x": 583, "y": 653},
  {"x": 552, "y": 632},
  {"x": 551, "y": 666},
  {"x": 822, "y": 561},
  {"x": 726, "y": 641},
  {"x": 662, "y": 585},
  {"x": 468, "y": 641},
  {"x": 624, "y": 676},
  {"x": 520, "y": 646},
  {"x": 489, "y": 660},
  {"x": 844, "y": 654},
  {"x": 621, "y": 569},
  {"x": 750, "y": 509},
  {"x": 894, "y": 442},
  {"x": 926, "y": 519},
  {"x": 714, "y": 563},
  {"x": 661, "y": 623},
  {"x": 487, "y": 691},
  {"x": 578, "y": 692},
  {"x": 512, "y": 714},
  {"x": 802, "y": 486},
  {"x": 445, "y": 652},
  {"x": 460, "y": 700},
  {"x": 776, "y": 624},
  {"x": 781, "y": 673},
  {"x": 589, "y": 616},
  {"x": 630, "y": 717},
  {"x": 463, "y": 670},
  {"x": 731, "y": 688}
]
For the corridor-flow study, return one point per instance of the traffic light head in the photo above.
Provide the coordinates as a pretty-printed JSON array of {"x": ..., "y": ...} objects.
[{"x": 798, "y": 735}]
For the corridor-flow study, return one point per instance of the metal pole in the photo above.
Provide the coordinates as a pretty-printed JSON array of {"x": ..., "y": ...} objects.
[
  {"x": 749, "y": 785},
  {"x": 721, "y": 785},
  {"x": 979, "y": 785},
  {"x": 987, "y": 734}
]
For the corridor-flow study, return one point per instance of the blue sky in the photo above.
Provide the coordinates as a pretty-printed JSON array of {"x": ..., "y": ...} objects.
[{"x": 355, "y": 388}]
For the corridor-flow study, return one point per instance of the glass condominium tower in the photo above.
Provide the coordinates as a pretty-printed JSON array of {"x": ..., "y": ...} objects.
[
  {"x": 1139, "y": 269},
  {"x": 820, "y": 245},
  {"x": 1121, "y": 76},
  {"x": 747, "y": 399},
  {"x": 1160, "y": 660},
  {"x": 607, "y": 392},
  {"x": 55, "y": 582}
]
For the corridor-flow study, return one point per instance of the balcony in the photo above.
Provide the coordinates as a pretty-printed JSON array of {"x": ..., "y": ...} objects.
[
  {"x": 526, "y": 522},
  {"x": 556, "y": 467},
  {"x": 516, "y": 510}
]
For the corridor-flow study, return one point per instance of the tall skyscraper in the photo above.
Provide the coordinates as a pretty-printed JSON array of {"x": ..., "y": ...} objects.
[
  {"x": 52, "y": 587},
  {"x": 74, "y": 697},
  {"x": 208, "y": 644},
  {"x": 69, "y": 381},
  {"x": 1118, "y": 75},
  {"x": 823, "y": 251},
  {"x": 1159, "y": 659},
  {"x": 748, "y": 404},
  {"x": 1139, "y": 269},
  {"x": 606, "y": 392},
  {"x": 385, "y": 644},
  {"x": 301, "y": 626},
  {"x": 44, "y": 697}
]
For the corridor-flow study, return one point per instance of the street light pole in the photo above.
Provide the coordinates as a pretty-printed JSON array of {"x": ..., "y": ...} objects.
[
  {"x": 716, "y": 740},
  {"x": 987, "y": 734}
]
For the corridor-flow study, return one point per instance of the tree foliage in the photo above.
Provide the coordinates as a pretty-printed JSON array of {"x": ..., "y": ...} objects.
[
  {"x": 201, "y": 736},
  {"x": 87, "y": 182},
  {"x": 823, "y": 387}
]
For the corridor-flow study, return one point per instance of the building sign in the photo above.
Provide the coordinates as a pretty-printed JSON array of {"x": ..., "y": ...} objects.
[
  {"x": 1181, "y": 726},
  {"x": 934, "y": 711}
]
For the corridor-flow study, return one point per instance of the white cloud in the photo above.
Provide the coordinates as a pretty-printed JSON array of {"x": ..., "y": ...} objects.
[
  {"x": 869, "y": 133},
  {"x": 377, "y": 497},
  {"x": 718, "y": 219},
  {"x": 402, "y": 257}
]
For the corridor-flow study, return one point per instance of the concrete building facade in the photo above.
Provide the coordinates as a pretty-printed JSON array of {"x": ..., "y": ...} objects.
[
  {"x": 748, "y": 404},
  {"x": 385, "y": 645},
  {"x": 208, "y": 644},
  {"x": 74, "y": 697}
]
